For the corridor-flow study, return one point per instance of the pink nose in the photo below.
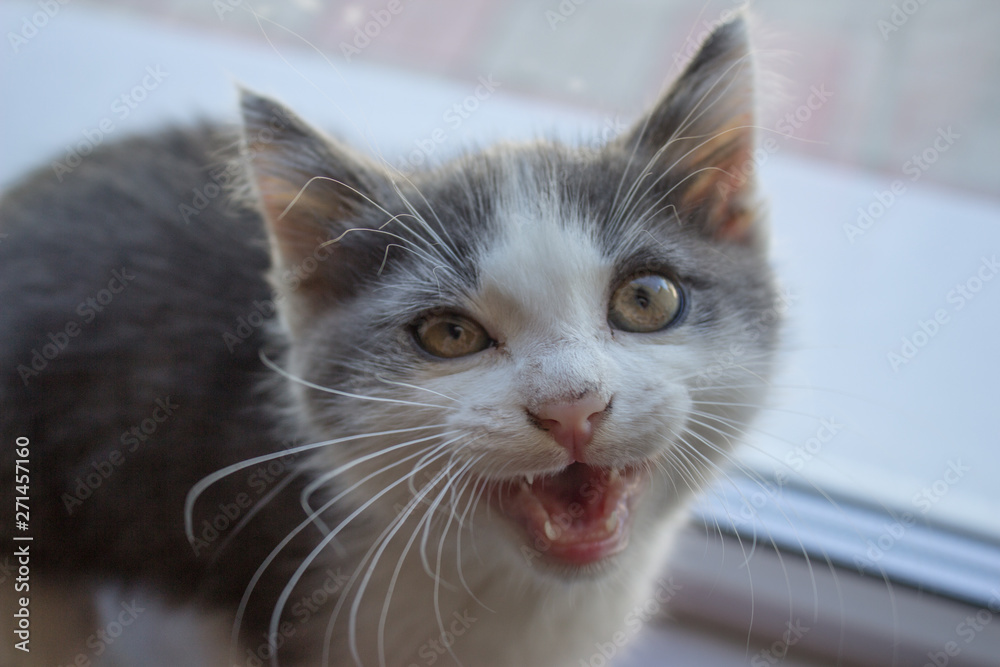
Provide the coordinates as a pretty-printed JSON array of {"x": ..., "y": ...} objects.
[{"x": 572, "y": 424}]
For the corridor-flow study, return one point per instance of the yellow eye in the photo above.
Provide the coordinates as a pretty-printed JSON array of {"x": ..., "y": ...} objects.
[
  {"x": 450, "y": 335},
  {"x": 645, "y": 303}
]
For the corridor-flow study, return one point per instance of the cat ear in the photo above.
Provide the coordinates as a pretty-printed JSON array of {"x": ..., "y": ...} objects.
[
  {"x": 701, "y": 134},
  {"x": 309, "y": 189}
]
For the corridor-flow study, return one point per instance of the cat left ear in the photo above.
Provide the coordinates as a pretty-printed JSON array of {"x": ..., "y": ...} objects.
[
  {"x": 309, "y": 187},
  {"x": 700, "y": 136}
]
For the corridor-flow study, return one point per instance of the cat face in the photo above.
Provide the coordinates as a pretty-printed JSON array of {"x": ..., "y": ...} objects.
[{"x": 514, "y": 344}]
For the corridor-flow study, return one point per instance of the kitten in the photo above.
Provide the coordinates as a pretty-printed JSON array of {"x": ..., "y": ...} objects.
[{"x": 456, "y": 423}]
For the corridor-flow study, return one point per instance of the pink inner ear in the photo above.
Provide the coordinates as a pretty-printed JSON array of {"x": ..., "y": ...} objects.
[
  {"x": 723, "y": 180},
  {"x": 736, "y": 226}
]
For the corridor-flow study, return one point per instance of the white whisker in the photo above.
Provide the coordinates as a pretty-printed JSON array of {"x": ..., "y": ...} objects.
[
  {"x": 329, "y": 390},
  {"x": 205, "y": 482}
]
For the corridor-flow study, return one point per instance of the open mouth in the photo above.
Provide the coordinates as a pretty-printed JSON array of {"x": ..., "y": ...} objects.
[{"x": 577, "y": 516}]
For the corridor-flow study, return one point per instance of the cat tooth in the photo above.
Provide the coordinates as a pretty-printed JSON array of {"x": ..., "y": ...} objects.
[
  {"x": 550, "y": 530},
  {"x": 531, "y": 478},
  {"x": 612, "y": 523},
  {"x": 615, "y": 475}
]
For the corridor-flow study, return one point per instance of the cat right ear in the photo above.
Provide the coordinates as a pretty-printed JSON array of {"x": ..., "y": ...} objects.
[
  {"x": 309, "y": 188},
  {"x": 700, "y": 136}
]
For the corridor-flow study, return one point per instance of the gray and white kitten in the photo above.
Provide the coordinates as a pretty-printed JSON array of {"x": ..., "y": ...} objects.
[{"x": 457, "y": 424}]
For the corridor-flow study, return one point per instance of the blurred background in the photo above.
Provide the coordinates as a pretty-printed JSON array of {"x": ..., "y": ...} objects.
[
  {"x": 885, "y": 197},
  {"x": 893, "y": 72}
]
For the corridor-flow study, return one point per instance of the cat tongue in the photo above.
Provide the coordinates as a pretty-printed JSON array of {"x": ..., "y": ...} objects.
[{"x": 579, "y": 515}]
